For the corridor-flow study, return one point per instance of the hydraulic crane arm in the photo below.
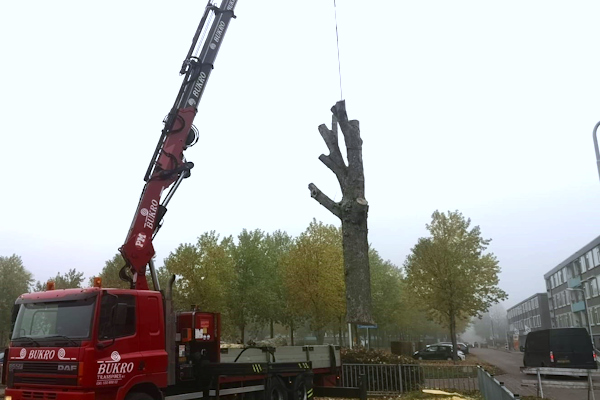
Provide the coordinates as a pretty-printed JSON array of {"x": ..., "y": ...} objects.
[{"x": 168, "y": 166}]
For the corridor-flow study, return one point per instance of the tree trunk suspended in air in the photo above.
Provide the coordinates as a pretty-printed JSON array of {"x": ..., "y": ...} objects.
[{"x": 351, "y": 210}]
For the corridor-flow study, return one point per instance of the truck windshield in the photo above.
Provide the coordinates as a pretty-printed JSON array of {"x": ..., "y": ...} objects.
[{"x": 71, "y": 319}]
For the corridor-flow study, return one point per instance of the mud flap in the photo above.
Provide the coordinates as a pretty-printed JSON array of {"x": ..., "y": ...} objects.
[{"x": 308, "y": 382}]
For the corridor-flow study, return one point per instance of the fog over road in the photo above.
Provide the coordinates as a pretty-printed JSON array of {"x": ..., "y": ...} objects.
[{"x": 510, "y": 362}]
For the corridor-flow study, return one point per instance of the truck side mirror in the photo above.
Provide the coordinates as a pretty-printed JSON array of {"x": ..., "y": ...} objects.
[{"x": 120, "y": 315}]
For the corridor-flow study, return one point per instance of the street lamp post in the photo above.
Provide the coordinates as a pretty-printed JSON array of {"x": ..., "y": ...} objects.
[
  {"x": 587, "y": 314},
  {"x": 596, "y": 146}
]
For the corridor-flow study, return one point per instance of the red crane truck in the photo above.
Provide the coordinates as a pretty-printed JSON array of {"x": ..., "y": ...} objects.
[{"x": 99, "y": 343}]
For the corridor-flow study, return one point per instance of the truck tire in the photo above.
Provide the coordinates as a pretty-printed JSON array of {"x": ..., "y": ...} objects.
[
  {"x": 139, "y": 396},
  {"x": 276, "y": 390},
  {"x": 299, "y": 389}
]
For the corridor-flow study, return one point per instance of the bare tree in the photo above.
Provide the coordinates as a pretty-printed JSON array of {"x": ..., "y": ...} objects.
[{"x": 351, "y": 210}]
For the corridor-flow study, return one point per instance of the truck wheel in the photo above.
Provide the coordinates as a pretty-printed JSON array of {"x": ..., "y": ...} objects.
[
  {"x": 277, "y": 390},
  {"x": 138, "y": 396},
  {"x": 299, "y": 392}
]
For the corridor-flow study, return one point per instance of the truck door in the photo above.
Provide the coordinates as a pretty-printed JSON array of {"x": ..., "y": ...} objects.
[{"x": 117, "y": 348}]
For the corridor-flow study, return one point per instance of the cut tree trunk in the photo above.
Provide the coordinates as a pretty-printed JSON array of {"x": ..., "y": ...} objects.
[{"x": 352, "y": 210}]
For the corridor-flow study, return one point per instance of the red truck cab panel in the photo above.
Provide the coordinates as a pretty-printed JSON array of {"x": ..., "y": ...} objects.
[{"x": 107, "y": 359}]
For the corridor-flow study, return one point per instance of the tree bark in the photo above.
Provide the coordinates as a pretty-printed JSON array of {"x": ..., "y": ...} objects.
[
  {"x": 352, "y": 210},
  {"x": 453, "y": 336},
  {"x": 320, "y": 336}
]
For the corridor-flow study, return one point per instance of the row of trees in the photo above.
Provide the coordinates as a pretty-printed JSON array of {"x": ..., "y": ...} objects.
[{"x": 277, "y": 281}]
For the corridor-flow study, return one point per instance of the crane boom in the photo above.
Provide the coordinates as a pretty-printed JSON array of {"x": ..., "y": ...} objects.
[{"x": 168, "y": 166}]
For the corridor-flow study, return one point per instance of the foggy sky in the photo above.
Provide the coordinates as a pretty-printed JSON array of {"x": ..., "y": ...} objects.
[{"x": 485, "y": 108}]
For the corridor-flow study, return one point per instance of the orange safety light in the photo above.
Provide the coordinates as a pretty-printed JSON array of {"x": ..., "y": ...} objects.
[
  {"x": 97, "y": 282},
  {"x": 80, "y": 373},
  {"x": 50, "y": 285},
  {"x": 186, "y": 335}
]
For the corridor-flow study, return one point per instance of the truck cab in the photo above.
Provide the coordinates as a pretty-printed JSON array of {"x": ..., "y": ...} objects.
[{"x": 88, "y": 343}]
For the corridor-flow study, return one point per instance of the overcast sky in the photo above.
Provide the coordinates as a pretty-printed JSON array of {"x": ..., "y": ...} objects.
[{"x": 482, "y": 107}]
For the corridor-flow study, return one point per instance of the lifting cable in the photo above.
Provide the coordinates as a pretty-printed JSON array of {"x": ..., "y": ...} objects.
[{"x": 337, "y": 38}]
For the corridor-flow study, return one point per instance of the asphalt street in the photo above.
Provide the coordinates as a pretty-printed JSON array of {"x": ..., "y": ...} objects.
[{"x": 510, "y": 362}]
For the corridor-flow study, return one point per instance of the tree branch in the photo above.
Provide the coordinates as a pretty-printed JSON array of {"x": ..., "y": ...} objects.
[
  {"x": 339, "y": 111},
  {"x": 351, "y": 132},
  {"x": 337, "y": 164},
  {"x": 340, "y": 173},
  {"x": 325, "y": 201}
]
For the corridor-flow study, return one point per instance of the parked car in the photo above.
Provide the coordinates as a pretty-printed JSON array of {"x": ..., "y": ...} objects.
[
  {"x": 437, "y": 352},
  {"x": 560, "y": 348},
  {"x": 461, "y": 346}
]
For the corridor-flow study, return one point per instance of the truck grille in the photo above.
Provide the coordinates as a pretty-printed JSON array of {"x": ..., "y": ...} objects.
[
  {"x": 39, "y": 396},
  {"x": 45, "y": 380},
  {"x": 44, "y": 373},
  {"x": 37, "y": 368}
]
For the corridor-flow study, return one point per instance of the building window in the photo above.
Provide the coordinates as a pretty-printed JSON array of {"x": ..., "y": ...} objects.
[
  {"x": 595, "y": 319},
  {"x": 590, "y": 261},
  {"x": 576, "y": 267},
  {"x": 596, "y": 256},
  {"x": 571, "y": 320},
  {"x": 586, "y": 289},
  {"x": 582, "y": 264},
  {"x": 594, "y": 287}
]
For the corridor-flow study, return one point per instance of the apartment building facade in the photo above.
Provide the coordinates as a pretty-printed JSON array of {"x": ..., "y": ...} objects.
[
  {"x": 573, "y": 291},
  {"x": 530, "y": 315}
]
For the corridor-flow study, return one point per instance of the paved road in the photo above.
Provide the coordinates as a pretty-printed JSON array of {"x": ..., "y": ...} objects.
[{"x": 509, "y": 362}]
